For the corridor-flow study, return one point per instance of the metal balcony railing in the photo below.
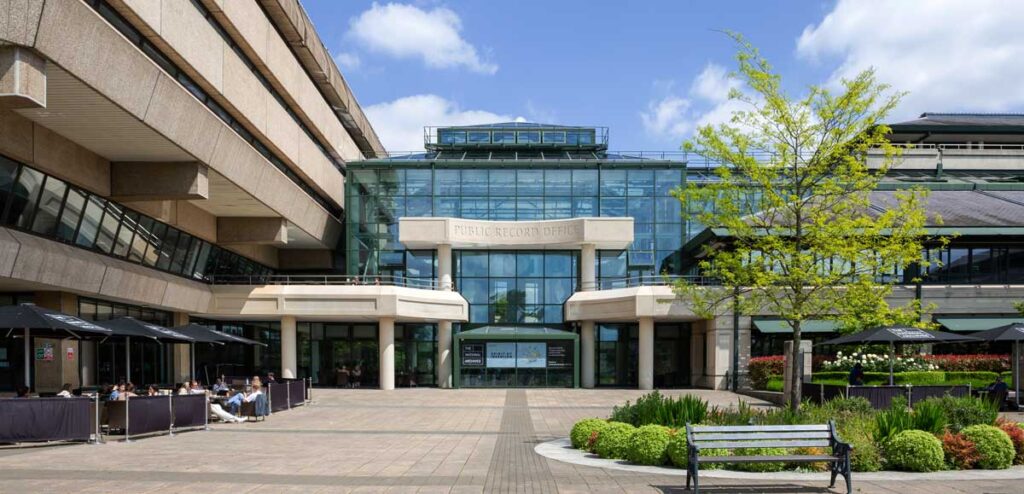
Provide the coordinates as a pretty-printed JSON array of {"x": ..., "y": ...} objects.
[
  {"x": 606, "y": 283},
  {"x": 323, "y": 280}
]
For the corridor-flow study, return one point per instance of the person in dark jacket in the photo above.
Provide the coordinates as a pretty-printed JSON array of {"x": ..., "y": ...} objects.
[{"x": 857, "y": 375}]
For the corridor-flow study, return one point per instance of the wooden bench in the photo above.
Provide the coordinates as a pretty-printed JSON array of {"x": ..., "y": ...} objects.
[{"x": 732, "y": 437}]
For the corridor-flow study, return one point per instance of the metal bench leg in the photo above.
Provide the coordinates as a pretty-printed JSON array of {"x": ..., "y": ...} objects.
[
  {"x": 835, "y": 473},
  {"x": 846, "y": 474},
  {"x": 688, "y": 470},
  {"x": 696, "y": 479}
]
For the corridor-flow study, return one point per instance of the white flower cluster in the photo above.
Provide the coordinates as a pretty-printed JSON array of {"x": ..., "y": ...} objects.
[{"x": 872, "y": 362}]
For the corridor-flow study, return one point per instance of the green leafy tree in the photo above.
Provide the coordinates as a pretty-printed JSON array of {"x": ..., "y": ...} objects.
[
  {"x": 793, "y": 198},
  {"x": 1020, "y": 307}
]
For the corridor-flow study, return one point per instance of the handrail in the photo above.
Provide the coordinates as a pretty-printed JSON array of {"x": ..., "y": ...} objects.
[
  {"x": 323, "y": 279},
  {"x": 606, "y": 283},
  {"x": 964, "y": 146}
]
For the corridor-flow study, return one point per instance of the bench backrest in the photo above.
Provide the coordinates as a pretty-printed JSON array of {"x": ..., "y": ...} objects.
[{"x": 761, "y": 436}]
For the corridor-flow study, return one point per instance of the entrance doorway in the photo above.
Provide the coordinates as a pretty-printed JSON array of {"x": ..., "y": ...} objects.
[{"x": 344, "y": 355}]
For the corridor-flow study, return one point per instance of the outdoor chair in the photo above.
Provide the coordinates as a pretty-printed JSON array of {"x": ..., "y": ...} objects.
[{"x": 256, "y": 409}]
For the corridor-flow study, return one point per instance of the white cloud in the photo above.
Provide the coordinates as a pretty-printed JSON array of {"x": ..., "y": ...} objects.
[
  {"x": 406, "y": 31},
  {"x": 348, "y": 60},
  {"x": 400, "y": 123},
  {"x": 951, "y": 55},
  {"x": 674, "y": 115}
]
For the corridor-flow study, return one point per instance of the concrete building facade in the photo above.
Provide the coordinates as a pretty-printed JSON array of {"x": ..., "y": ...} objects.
[{"x": 204, "y": 161}]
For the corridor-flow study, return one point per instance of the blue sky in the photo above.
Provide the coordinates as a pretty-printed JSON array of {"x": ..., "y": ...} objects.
[{"x": 655, "y": 70}]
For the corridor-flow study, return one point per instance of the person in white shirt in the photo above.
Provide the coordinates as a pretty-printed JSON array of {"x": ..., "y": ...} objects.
[{"x": 65, "y": 392}]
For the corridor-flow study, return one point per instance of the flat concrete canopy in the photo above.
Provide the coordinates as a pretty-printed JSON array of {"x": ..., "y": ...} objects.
[{"x": 602, "y": 233}]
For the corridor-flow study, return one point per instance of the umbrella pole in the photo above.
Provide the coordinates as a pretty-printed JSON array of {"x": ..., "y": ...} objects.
[
  {"x": 192, "y": 359},
  {"x": 892, "y": 357},
  {"x": 28, "y": 361},
  {"x": 127, "y": 359}
]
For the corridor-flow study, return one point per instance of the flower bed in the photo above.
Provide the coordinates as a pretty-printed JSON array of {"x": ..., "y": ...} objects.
[{"x": 938, "y": 434}]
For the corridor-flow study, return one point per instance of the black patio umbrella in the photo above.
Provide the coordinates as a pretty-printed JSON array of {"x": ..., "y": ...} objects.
[
  {"x": 130, "y": 327},
  {"x": 204, "y": 334},
  {"x": 896, "y": 334},
  {"x": 1011, "y": 332},
  {"x": 34, "y": 319}
]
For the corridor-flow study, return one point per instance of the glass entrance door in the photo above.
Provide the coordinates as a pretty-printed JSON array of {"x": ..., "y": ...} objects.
[{"x": 348, "y": 355}]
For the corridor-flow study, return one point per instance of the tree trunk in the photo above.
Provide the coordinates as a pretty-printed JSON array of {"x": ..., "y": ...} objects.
[{"x": 795, "y": 369}]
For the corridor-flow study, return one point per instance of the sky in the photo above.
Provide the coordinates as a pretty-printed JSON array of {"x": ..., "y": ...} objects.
[{"x": 653, "y": 71}]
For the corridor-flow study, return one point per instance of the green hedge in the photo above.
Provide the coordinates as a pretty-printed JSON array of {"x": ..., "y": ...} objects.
[
  {"x": 916, "y": 378},
  {"x": 994, "y": 446}
]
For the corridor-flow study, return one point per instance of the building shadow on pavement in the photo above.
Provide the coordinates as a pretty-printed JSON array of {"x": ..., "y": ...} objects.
[{"x": 744, "y": 488}]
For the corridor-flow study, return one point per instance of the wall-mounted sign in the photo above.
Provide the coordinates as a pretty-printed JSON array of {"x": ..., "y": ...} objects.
[
  {"x": 531, "y": 354},
  {"x": 70, "y": 352},
  {"x": 501, "y": 355},
  {"x": 473, "y": 355},
  {"x": 45, "y": 352},
  {"x": 560, "y": 355}
]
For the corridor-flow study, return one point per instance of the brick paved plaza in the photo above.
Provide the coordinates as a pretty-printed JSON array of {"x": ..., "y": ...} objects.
[{"x": 410, "y": 440}]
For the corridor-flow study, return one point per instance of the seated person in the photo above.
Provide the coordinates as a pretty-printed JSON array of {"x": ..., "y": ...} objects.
[
  {"x": 183, "y": 389},
  {"x": 270, "y": 378},
  {"x": 65, "y": 391},
  {"x": 151, "y": 391},
  {"x": 22, "y": 392},
  {"x": 223, "y": 415},
  {"x": 220, "y": 386},
  {"x": 196, "y": 389},
  {"x": 235, "y": 403},
  {"x": 126, "y": 391},
  {"x": 115, "y": 392},
  {"x": 999, "y": 386}
]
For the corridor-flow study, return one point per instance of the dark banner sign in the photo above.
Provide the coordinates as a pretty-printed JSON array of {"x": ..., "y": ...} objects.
[
  {"x": 189, "y": 410},
  {"x": 560, "y": 354},
  {"x": 473, "y": 355},
  {"x": 45, "y": 419}
]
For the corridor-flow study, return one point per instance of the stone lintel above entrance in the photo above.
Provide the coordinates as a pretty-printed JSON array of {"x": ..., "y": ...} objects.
[
  {"x": 337, "y": 303},
  {"x": 602, "y": 233},
  {"x": 628, "y": 305}
]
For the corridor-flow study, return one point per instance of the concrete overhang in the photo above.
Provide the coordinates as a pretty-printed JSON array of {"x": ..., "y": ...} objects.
[
  {"x": 602, "y": 233},
  {"x": 29, "y": 263},
  {"x": 104, "y": 94},
  {"x": 628, "y": 305},
  {"x": 337, "y": 303}
]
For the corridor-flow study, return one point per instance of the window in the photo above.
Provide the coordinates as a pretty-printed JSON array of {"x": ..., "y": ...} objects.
[
  {"x": 584, "y": 183},
  {"x": 69, "y": 217},
  {"x": 453, "y": 136},
  {"x": 580, "y": 137},
  {"x": 528, "y": 137},
  {"x": 554, "y": 137},
  {"x": 613, "y": 183},
  {"x": 479, "y": 137},
  {"x": 90, "y": 222},
  {"x": 26, "y": 193},
  {"x": 503, "y": 137},
  {"x": 45, "y": 221}
]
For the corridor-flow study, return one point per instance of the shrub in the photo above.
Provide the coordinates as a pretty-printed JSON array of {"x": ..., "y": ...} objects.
[
  {"x": 653, "y": 408},
  {"x": 648, "y": 444},
  {"x": 873, "y": 362},
  {"x": 762, "y": 369},
  {"x": 977, "y": 362},
  {"x": 774, "y": 384},
  {"x": 995, "y": 450},
  {"x": 930, "y": 417},
  {"x": 979, "y": 376},
  {"x": 922, "y": 378},
  {"x": 613, "y": 440},
  {"x": 676, "y": 449},
  {"x": 893, "y": 421},
  {"x": 839, "y": 407},
  {"x": 816, "y": 467},
  {"x": 959, "y": 451},
  {"x": 915, "y": 451},
  {"x": 859, "y": 431},
  {"x": 1016, "y": 434},
  {"x": 582, "y": 430},
  {"x": 775, "y": 466},
  {"x": 966, "y": 411}
]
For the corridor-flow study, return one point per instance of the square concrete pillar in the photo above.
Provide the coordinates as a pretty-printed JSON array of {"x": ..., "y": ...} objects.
[
  {"x": 289, "y": 354},
  {"x": 588, "y": 277},
  {"x": 444, "y": 354},
  {"x": 587, "y": 342},
  {"x": 645, "y": 374}
]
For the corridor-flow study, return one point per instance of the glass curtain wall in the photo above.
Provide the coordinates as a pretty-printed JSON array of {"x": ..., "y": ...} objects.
[
  {"x": 237, "y": 359},
  {"x": 151, "y": 362},
  {"x": 527, "y": 287},
  {"x": 44, "y": 205},
  {"x": 617, "y": 355},
  {"x": 378, "y": 197},
  {"x": 331, "y": 352}
]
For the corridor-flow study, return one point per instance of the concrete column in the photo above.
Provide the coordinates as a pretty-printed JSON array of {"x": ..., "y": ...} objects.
[
  {"x": 587, "y": 349},
  {"x": 289, "y": 355},
  {"x": 444, "y": 267},
  {"x": 588, "y": 278},
  {"x": 444, "y": 354},
  {"x": 386, "y": 332},
  {"x": 645, "y": 375}
]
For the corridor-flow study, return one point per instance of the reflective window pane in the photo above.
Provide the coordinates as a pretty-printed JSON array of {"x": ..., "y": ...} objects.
[
  {"x": 178, "y": 258},
  {"x": 418, "y": 182},
  {"x": 69, "y": 217},
  {"x": 503, "y": 264},
  {"x": 613, "y": 183},
  {"x": 557, "y": 208},
  {"x": 557, "y": 182},
  {"x": 503, "y": 183},
  {"x": 108, "y": 228},
  {"x": 527, "y": 137},
  {"x": 530, "y": 264},
  {"x": 475, "y": 290},
  {"x": 557, "y": 290},
  {"x": 126, "y": 234},
  {"x": 613, "y": 207},
  {"x": 530, "y": 208},
  {"x": 584, "y": 183},
  {"x": 641, "y": 209},
  {"x": 640, "y": 183},
  {"x": 479, "y": 137},
  {"x": 419, "y": 264},
  {"x": 531, "y": 182},
  {"x": 170, "y": 241},
  {"x": 90, "y": 222},
  {"x": 473, "y": 264},
  {"x": 25, "y": 194},
  {"x": 586, "y": 207},
  {"x": 446, "y": 182},
  {"x": 45, "y": 221},
  {"x": 558, "y": 264},
  {"x": 8, "y": 173},
  {"x": 667, "y": 180},
  {"x": 503, "y": 137}
]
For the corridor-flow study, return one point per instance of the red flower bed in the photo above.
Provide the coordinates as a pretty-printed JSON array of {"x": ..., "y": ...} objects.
[{"x": 976, "y": 362}]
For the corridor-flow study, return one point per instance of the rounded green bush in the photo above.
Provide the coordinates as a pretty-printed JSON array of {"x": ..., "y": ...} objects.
[
  {"x": 866, "y": 456},
  {"x": 613, "y": 440},
  {"x": 758, "y": 467},
  {"x": 581, "y": 432},
  {"x": 648, "y": 445},
  {"x": 676, "y": 448},
  {"x": 993, "y": 445},
  {"x": 915, "y": 451}
]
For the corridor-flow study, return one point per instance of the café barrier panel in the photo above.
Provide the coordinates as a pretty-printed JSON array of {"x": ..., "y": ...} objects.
[
  {"x": 189, "y": 411},
  {"x": 278, "y": 396},
  {"x": 148, "y": 414},
  {"x": 46, "y": 419},
  {"x": 296, "y": 393}
]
